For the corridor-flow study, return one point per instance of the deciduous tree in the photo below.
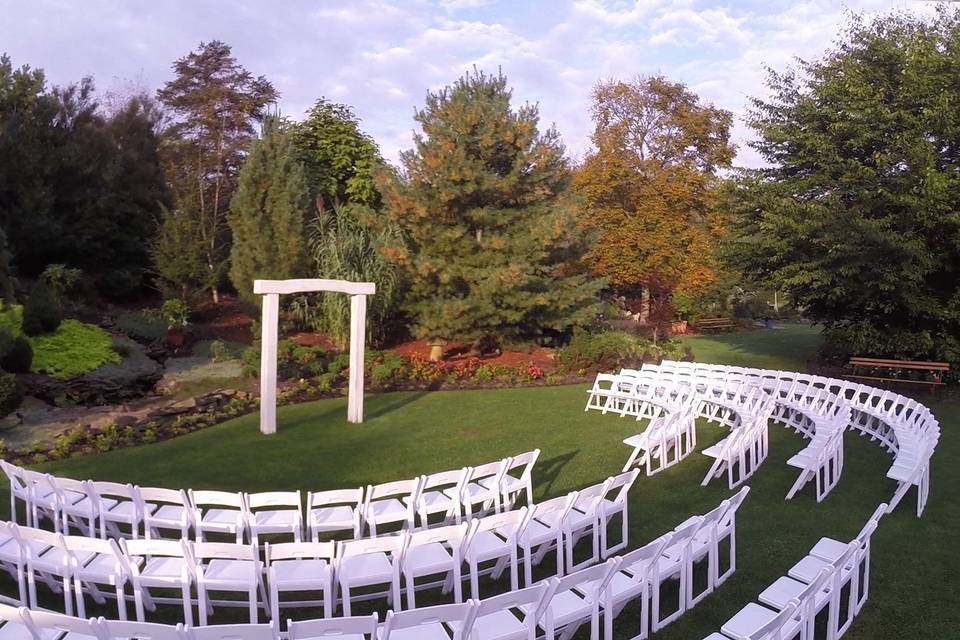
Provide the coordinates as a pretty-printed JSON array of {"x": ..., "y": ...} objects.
[
  {"x": 649, "y": 186},
  {"x": 215, "y": 104}
]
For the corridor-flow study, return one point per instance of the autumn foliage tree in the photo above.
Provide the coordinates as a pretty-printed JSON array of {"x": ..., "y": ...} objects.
[{"x": 649, "y": 187}]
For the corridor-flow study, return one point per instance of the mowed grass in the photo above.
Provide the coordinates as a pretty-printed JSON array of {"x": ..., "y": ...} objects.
[{"x": 915, "y": 569}]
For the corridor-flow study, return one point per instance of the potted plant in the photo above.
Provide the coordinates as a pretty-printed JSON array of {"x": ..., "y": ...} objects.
[{"x": 175, "y": 312}]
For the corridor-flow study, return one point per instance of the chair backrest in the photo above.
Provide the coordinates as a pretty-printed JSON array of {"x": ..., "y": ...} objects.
[
  {"x": 216, "y": 499},
  {"x": 453, "y": 534},
  {"x": 588, "y": 499},
  {"x": 439, "y": 614},
  {"x": 489, "y": 470},
  {"x": 684, "y": 533},
  {"x": 393, "y": 489},
  {"x": 508, "y": 523},
  {"x": 300, "y": 550},
  {"x": 141, "y": 547},
  {"x": 225, "y": 551},
  {"x": 10, "y": 614},
  {"x": 524, "y": 462},
  {"x": 234, "y": 632},
  {"x": 867, "y": 529},
  {"x": 552, "y": 512},
  {"x": 352, "y": 497},
  {"x": 640, "y": 562},
  {"x": 18, "y": 481},
  {"x": 526, "y": 601},
  {"x": 84, "y": 545},
  {"x": 42, "y": 622},
  {"x": 590, "y": 581},
  {"x": 452, "y": 478},
  {"x": 771, "y": 630},
  {"x": 41, "y": 537},
  {"x": 332, "y": 627},
  {"x": 163, "y": 496},
  {"x": 273, "y": 499},
  {"x": 385, "y": 544},
  {"x": 128, "y": 630},
  {"x": 620, "y": 485},
  {"x": 103, "y": 489}
]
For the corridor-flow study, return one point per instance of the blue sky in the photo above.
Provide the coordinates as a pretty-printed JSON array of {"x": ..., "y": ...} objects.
[{"x": 382, "y": 57}]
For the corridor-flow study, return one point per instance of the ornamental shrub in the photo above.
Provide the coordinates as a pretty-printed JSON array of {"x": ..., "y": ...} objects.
[
  {"x": 42, "y": 313},
  {"x": 600, "y": 351},
  {"x": 18, "y": 356},
  {"x": 11, "y": 393}
]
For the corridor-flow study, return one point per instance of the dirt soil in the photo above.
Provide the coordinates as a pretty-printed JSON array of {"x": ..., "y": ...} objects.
[
  {"x": 225, "y": 321},
  {"x": 458, "y": 352}
]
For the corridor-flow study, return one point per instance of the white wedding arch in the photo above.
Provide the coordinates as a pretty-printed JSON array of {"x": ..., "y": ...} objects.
[{"x": 271, "y": 290}]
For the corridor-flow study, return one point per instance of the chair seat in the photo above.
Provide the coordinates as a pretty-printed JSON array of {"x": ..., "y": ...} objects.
[
  {"x": 84, "y": 505},
  {"x": 487, "y": 545},
  {"x": 102, "y": 569},
  {"x": 475, "y": 492},
  {"x": 783, "y": 590},
  {"x": 54, "y": 559},
  {"x": 536, "y": 533},
  {"x": 493, "y": 626},
  {"x": 331, "y": 518},
  {"x": 716, "y": 636},
  {"x": 566, "y": 607},
  {"x": 220, "y": 519},
  {"x": 301, "y": 571},
  {"x": 15, "y": 631},
  {"x": 123, "y": 510},
  {"x": 159, "y": 568},
  {"x": 369, "y": 568},
  {"x": 620, "y": 587},
  {"x": 747, "y": 620},
  {"x": 577, "y": 520},
  {"x": 223, "y": 571},
  {"x": 715, "y": 451},
  {"x": 828, "y": 549},
  {"x": 279, "y": 519},
  {"x": 434, "y": 501},
  {"x": 433, "y": 631},
  {"x": 389, "y": 510},
  {"x": 169, "y": 513},
  {"x": 807, "y": 569},
  {"x": 426, "y": 559}
]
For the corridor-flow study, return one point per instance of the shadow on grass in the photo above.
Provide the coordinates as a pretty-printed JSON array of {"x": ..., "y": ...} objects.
[
  {"x": 550, "y": 469},
  {"x": 388, "y": 402}
]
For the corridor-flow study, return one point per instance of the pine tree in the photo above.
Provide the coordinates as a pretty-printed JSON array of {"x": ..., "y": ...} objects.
[
  {"x": 267, "y": 213},
  {"x": 491, "y": 251}
]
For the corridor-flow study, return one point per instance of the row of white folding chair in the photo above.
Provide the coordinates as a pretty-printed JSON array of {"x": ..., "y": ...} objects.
[
  {"x": 739, "y": 454},
  {"x": 792, "y": 604},
  {"x": 667, "y": 440}
]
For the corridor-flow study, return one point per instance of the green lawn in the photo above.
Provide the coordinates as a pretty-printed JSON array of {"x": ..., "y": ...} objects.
[
  {"x": 785, "y": 349},
  {"x": 915, "y": 566}
]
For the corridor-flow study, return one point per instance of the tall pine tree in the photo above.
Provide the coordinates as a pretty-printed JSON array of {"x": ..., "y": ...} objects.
[
  {"x": 490, "y": 250},
  {"x": 267, "y": 213}
]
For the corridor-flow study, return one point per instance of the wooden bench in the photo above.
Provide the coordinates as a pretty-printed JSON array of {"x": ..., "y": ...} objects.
[
  {"x": 936, "y": 369},
  {"x": 714, "y": 324}
]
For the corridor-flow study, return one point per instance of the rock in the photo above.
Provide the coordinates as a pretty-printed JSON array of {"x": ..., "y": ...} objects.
[{"x": 125, "y": 420}]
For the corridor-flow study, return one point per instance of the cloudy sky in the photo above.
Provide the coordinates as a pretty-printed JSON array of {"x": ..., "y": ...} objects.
[{"x": 382, "y": 56}]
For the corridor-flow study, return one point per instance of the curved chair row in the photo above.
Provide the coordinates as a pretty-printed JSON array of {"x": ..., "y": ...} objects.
[
  {"x": 791, "y": 604},
  {"x": 592, "y": 596},
  {"x": 819, "y": 408},
  {"x": 111, "y": 509},
  {"x": 76, "y": 565}
]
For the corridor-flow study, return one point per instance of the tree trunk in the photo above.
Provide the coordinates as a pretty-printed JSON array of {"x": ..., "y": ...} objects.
[{"x": 644, "y": 305}]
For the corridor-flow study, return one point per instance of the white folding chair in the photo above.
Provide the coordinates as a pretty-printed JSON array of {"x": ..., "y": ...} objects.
[
  {"x": 442, "y": 493},
  {"x": 369, "y": 562},
  {"x": 333, "y": 511},
  {"x": 704, "y": 546},
  {"x": 46, "y": 558},
  {"x": 433, "y": 551},
  {"x": 494, "y": 538},
  {"x": 95, "y": 561},
  {"x": 125, "y": 509},
  {"x": 164, "y": 509},
  {"x": 830, "y": 550},
  {"x": 300, "y": 566},
  {"x": 14, "y": 626},
  {"x": 250, "y": 631},
  {"x": 47, "y": 625},
  {"x": 582, "y": 520},
  {"x": 161, "y": 564},
  {"x": 542, "y": 532},
  {"x": 575, "y": 600},
  {"x": 430, "y": 623},
  {"x": 673, "y": 563},
  {"x": 19, "y": 490},
  {"x": 727, "y": 528},
  {"x": 218, "y": 512},
  {"x": 274, "y": 512},
  {"x": 481, "y": 494},
  {"x": 81, "y": 513},
  {"x": 355, "y": 628},
  {"x": 633, "y": 581},
  {"x": 809, "y": 598},
  {"x": 391, "y": 503},
  {"x": 616, "y": 502},
  {"x": 13, "y": 558},
  {"x": 45, "y": 500},
  {"x": 755, "y": 622},
  {"x": 133, "y": 630},
  {"x": 511, "y": 615},
  {"x": 224, "y": 566},
  {"x": 511, "y": 486}
]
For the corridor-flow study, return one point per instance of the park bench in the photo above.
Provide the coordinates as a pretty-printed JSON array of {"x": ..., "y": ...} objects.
[
  {"x": 934, "y": 369},
  {"x": 714, "y": 324}
]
